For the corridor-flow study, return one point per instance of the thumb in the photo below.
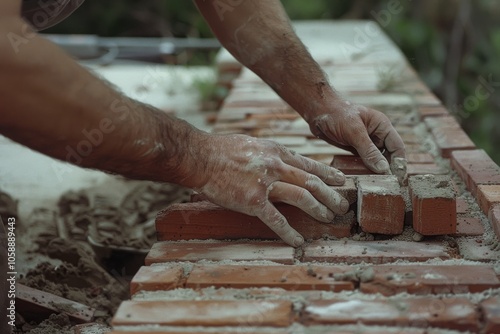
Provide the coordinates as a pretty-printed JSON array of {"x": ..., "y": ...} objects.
[{"x": 371, "y": 155}]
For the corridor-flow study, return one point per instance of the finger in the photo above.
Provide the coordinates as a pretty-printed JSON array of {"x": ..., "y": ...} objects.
[
  {"x": 394, "y": 144},
  {"x": 302, "y": 199},
  {"x": 326, "y": 173},
  {"x": 323, "y": 193},
  {"x": 371, "y": 155},
  {"x": 278, "y": 223}
]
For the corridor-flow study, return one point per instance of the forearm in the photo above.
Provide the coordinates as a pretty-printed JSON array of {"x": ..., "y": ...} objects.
[
  {"x": 55, "y": 106},
  {"x": 259, "y": 35}
]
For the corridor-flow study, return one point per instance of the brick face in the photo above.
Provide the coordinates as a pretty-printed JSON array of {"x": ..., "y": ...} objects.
[
  {"x": 219, "y": 251},
  {"x": 449, "y": 139},
  {"x": 491, "y": 311},
  {"x": 204, "y": 313},
  {"x": 494, "y": 218},
  {"x": 152, "y": 278},
  {"x": 350, "y": 165},
  {"x": 475, "y": 167},
  {"x": 285, "y": 277},
  {"x": 204, "y": 220},
  {"x": 488, "y": 195},
  {"x": 381, "y": 207},
  {"x": 449, "y": 313},
  {"x": 372, "y": 251},
  {"x": 434, "y": 205}
]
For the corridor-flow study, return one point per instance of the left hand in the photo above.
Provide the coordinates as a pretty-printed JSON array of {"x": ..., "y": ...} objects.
[{"x": 365, "y": 130}]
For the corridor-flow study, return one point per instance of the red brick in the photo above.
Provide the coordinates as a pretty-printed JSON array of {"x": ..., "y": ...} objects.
[
  {"x": 447, "y": 121},
  {"x": 350, "y": 165},
  {"x": 204, "y": 220},
  {"x": 375, "y": 252},
  {"x": 449, "y": 139},
  {"x": 153, "y": 278},
  {"x": 421, "y": 169},
  {"x": 434, "y": 205},
  {"x": 475, "y": 167},
  {"x": 204, "y": 313},
  {"x": 423, "y": 279},
  {"x": 491, "y": 312},
  {"x": 253, "y": 276},
  {"x": 462, "y": 205},
  {"x": 219, "y": 251},
  {"x": 450, "y": 313},
  {"x": 469, "y": 226},
  {"x": 410, "y": 138},
  {"x": 348, "y": 190},
  {"x": 487, "y": 196},
  {"x": 432, "y": 111},
  {"x": 381, "y": 207},
  {"x": 420, "y": 158},
  {"x": 494, "y": 217}
]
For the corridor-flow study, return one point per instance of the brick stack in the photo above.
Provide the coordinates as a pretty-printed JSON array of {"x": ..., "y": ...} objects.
[{"x": 417, "y": 260}]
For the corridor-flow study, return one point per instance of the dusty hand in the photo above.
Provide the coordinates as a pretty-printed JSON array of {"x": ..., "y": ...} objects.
[
  {"x": 365, "y": 130},
  {"x": 245, "y": 174}
]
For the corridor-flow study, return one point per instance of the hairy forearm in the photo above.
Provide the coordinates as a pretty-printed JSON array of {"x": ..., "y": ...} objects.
[
  {"x": 55, "y": 106},
  {"x": 259, "y": 35}
]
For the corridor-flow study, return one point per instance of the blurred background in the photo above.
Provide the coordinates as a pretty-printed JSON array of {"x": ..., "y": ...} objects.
[{"x": 453, "y": 44}]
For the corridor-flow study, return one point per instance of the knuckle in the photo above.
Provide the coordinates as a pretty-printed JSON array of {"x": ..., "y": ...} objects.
[
  {"x": 313, "y": 183},
  {"x": 303, "y": 198}
]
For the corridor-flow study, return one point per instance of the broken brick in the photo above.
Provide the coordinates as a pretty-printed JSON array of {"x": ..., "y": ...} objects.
[
  {"x": 204, "y": 220},
  {"x": 254, "y": 276},
  {"x": 204, "y": 313},
  {"x": 449, "y": 313},
  {"x": 166, "y": 251},
  {"x": 376, "y": 252},
  {"x": 151, "y": 278},
  {"x": 381, "y": 207},
  {"x": 434, "y": 206}
]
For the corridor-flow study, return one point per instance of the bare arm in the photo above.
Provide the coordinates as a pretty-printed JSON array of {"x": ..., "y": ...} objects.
[
  {"x": 57, "y": 107},
  {"x": 259, "y": 35}
]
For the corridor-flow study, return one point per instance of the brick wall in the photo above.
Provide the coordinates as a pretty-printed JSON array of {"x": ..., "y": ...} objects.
[{"x": 423, "y": 259}]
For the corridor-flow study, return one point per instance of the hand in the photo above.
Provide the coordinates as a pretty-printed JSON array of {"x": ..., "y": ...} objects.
[
  {"x": 245, "y": 174},
  {"x": 365, "y": 130}
]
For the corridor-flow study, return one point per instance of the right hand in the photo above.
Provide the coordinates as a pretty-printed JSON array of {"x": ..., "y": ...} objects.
[{"x": 245, "y": 174}]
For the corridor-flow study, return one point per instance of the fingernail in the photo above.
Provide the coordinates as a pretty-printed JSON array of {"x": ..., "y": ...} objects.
[
  {"x": 298, "y": 241},
  {"x": 382, "y": 166},
  {"x": 340, "y": 178},
  {"x": 344, "y": 205}
]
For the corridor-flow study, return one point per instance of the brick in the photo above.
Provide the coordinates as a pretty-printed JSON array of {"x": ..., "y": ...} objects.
[
  {"x": 487, "y": 196},
  {"x": 90, "y": 328},
  {"x": 350, "y": 165},
  {"x": 290, "y": 278},
  {"x": 381, "y": 207},
  {"x": 204, "y": 220},
  {"x": 469, "y": 226},
  {"x": 441, "y": 122},
  {"x": 476, "y": 250},
  {"x": 166, "y": 251},
  {"x": 450, "y": 313},
  {"x": 475, "y": 167},
  {"x": 348, "y": 190},
  {"x": 37, "y": 305},
  {"x": 427, "y": 99},
  {"x": 434, "y": 204},
  {"x": 375, "y": 252},
  {"x": 423, "y": 279},
  {"x": 422, "y": 169},
  {"x": 420, "y": 158},
  {"x": 449, "y": 139},
  {"x": 490, "y": 309},
  {"x": 210, "y": 330},
  {"x": 462, "y": 205},
  {"x": 432, "y": 111},
  {"x": 152, "y": 278},
  {"x": 204, "y": 313},
  {"x": 494, "y": 218}
]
